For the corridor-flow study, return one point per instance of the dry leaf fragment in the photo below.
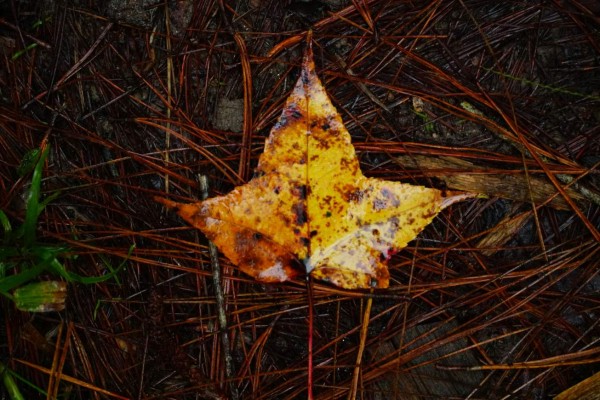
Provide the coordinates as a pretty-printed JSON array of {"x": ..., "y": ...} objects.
[
  {"x": 309, "y": 208},
  {"x": 513, "y": 187},
  {"x": 503, "y": 232}
]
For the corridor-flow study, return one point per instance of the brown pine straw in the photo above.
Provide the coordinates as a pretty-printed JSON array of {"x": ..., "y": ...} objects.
[{"x": 497, "y": 296}]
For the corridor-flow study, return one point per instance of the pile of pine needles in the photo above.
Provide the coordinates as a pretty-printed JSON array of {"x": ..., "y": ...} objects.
[{"x": 498, "y": 298}]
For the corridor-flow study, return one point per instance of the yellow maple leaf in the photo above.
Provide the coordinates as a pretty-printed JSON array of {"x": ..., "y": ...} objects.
[{"x": 309, "y": 208}]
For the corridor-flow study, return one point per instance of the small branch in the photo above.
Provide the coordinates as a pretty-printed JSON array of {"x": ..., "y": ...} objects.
[
  {"x": 222, "y": 316},
  {"x": 361, "y": 348}
]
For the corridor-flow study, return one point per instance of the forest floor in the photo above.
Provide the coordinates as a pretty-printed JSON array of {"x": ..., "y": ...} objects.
[{"x": 496, "y": 299}]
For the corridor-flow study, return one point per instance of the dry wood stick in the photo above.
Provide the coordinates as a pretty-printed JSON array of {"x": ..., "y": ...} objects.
[{"x": 222, "y": 316}]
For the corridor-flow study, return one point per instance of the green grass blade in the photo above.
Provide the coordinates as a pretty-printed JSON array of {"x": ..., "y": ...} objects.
[
  {"x": 47, "y": 201},
  {"x": 33, "y": 197},
  {"x": 27, "y": 383},
  {"x": 10, "y": 282},
  {"x": 9, "y": 383},
  {"x": 19, "y": 53},
  {"x": 6, "y": 227},
  {"x": 28, "y": 162},
  {"x": 58, "y": 268}
]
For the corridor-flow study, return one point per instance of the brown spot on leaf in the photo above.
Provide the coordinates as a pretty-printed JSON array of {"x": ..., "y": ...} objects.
[
  {"x": 296, "y": 114},
  {"x": 348, "y": 164},
  {"x": 353, "y": 194},
  {"x": 299, "y": 210},
  {"x": 302, "y": 192},
  {"x": 430, "y": 212}
]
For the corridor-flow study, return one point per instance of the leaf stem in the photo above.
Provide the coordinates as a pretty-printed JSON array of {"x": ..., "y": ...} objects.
[{"x": 310, "y": 337}]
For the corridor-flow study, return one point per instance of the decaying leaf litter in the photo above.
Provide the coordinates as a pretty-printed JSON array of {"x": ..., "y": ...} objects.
[{"x": 529, "y": 69}]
